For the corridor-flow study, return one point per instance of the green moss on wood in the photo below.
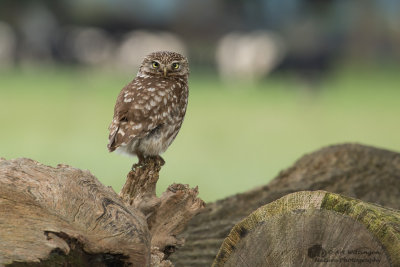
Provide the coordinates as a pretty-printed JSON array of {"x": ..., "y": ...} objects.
[{"x": 383, "y": 223}]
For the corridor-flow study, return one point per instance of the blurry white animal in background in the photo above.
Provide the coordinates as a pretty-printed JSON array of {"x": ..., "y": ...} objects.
[
  {"x": 137, "y": 44},
  {"x": 248, "y": 56},
  {"x": 90, "y": 45}
]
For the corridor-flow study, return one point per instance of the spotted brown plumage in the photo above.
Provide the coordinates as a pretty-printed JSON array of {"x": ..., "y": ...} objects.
[{"x": 149, "y": 111}]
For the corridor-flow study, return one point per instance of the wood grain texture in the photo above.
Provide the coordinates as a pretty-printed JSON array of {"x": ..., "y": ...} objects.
[
  {"x": 354, "y": 170},
  {"x": 314, "y": 229},
  {"x": 49, "y": 213}
]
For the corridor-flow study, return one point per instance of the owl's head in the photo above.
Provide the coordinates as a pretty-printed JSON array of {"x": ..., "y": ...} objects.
[{"x": 165, "y": 64}]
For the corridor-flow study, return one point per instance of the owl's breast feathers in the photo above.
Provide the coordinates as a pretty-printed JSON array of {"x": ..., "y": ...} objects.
[{"x": 145, "y": 104}]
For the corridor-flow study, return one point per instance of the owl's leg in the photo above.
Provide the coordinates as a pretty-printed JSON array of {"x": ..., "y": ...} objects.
[{"x": 142, "y": 159}]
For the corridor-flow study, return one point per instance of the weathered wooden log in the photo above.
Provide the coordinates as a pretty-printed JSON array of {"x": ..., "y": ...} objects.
[
  {"x": 65, "y": 217},
  {"x": 314, "y": 229},
  {"x": 354, "y": 170},
  {"x": 47, "y": 213}
]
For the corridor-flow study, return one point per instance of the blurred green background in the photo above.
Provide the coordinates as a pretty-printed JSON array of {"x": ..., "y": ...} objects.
[{"x": 336, "y": 79}]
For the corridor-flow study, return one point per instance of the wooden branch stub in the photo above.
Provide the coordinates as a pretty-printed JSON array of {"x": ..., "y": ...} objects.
[
  {"x": 63, "y": 211},
  {"x": 314, "y": 228},
  {"x": 139, "y": 190},
  {"x": 177, "y": 206},
  {"x": 167, "y": 215}
]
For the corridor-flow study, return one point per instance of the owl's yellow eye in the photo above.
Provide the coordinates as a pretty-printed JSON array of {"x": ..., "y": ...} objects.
[
  {"x": 175, "y": 65},
  {"x": 155, "y": 64}
]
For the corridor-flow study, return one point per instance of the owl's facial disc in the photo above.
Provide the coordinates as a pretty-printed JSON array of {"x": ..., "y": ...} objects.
[
  {"x": 158, "y": 67},
  {"x": 165, "y": 64}
]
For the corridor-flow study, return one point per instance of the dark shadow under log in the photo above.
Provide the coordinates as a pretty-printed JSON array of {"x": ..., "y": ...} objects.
[{"x": 354, "y": 170}]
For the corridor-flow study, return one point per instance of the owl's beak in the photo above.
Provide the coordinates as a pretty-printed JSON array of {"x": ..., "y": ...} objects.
[{"x": 165, "y": 72}]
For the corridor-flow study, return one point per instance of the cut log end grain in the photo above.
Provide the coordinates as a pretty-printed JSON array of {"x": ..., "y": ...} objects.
[{"x": 314, "y": 228}]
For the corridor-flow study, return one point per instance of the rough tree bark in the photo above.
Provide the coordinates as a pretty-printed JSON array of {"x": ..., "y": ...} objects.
[
  {"x": 314, "y": 229},
  {"x": 354, "y": 170},
  {"x": 65, "y": 217}
]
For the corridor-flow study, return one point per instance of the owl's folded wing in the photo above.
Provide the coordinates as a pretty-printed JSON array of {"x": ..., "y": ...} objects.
[
  {"x": 131, "y": 121},
  {"x": 122, "y": 132}
]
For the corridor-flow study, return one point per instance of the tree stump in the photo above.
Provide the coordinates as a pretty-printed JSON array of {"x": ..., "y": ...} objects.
[
  {"x": 354, "y": 170},
  {"x": 314, "y": 229},
  {"x": 65, "y": 217}
]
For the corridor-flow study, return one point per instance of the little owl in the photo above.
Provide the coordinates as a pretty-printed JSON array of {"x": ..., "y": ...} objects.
[{"x": 150, "y": 109}]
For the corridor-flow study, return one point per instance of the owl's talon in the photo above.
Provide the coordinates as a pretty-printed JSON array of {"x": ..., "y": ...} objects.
[
  {"x": 143, "y": 161},
  {"x": 160, "y": 160},
  {"x": 135, "y": 165}
]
